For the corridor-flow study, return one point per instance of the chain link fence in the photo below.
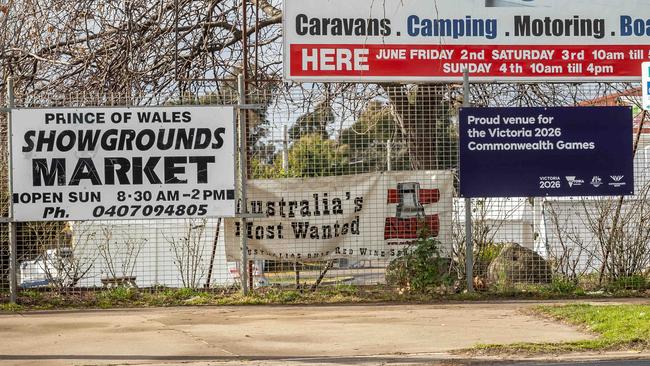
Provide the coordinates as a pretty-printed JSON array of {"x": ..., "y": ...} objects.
[{"x": 348, "y": 182}]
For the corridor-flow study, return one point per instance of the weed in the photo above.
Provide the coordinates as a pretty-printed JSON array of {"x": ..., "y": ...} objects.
[
  {"x": 31, "y": 294},
  {"x": 118, "y": 296},
  {"x": 561, "y": 285},
  {"x": 12, "y": 308},
  {"x": 420, "y": 269},
  {"x": 633, "y": 282},
  {"x": 617, "y": 326},
  {"x": 185, "y": 293}
]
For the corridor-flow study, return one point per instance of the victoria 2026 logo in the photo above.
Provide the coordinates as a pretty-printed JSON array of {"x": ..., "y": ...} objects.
[{"x": 410, "y": 215}]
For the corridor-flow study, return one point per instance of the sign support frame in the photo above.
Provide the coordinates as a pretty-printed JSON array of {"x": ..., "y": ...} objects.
[
  {"x": 13, "y": 260},
  {"x": 243, "y": 205},
  {"x": 469, "y": 244}
]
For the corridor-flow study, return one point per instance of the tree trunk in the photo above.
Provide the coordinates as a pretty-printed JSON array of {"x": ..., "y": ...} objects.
[{"x": 423, "y": 115}]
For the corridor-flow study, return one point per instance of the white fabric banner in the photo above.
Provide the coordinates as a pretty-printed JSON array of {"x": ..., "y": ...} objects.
[{"x": 366, "y": 216}]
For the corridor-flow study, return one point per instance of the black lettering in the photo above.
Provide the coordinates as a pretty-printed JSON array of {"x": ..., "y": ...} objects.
[
  {"x": 348, "y": 25},
  {"x": 88, "y": 140},
  {"x": 324, "y": 24},
  {"x": 202, "y": 167},
  {"x": 41, "y": 174},
  {"x": 110, "y": 172},
  {"x": 151, "y": 140},
  {"x": 43, "y": 140},
  {"x": 166, "y": 145},
  {"x": 304, "y": 209},
  {"x": 292, "y": 206},
  {"x": 144, "y": 117},
  {"x": 65, "y": 146},
  {"x": 337, "y": 27},
  {"x": 373, "y": 27},
  {"x": 270, "y": 232},
  {"x": 358, "y": 204},
  {"x": 109, "y": 140},
  {"x": 29, "y": 135},
  {"x": 218, "y": 138},
  {"x": 314, "y": 27},
  {"x": 270, "y": 208},
  {"x": 147, "y": 169},
  {"x": 203, "y": 137},
  {"x": 85, "y": 169},
  {"x": 300, "y": 229},
  {"x": 522, "y": 25},
  {"x": 283, "y": 204},
  {"x": 360, "y": 29},
  {"x": 126, "y": 139},
  {"x": 171, "y": 170},
  {"x": 185, "y": 140},
  {"x": 313, "y": 233},
  {"x": 337, "y": 206},
  {"x": 385, "y": 27},
  {"x": 256, "y": 207},
  {"x": 327, "y": 231},
  {"x": 354, "y": 226},
  {"x": 301, "y": 28}
]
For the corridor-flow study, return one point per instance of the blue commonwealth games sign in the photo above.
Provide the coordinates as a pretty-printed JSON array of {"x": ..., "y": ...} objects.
[{"x": 539, "y": 152}]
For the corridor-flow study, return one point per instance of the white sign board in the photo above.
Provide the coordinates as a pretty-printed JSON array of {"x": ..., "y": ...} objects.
[
  {"x": 372, "y": 216},
  {"x": 123, "y": 163},
  {"x": 495, "y": 40},
  {"x": 645, "y": 85}
]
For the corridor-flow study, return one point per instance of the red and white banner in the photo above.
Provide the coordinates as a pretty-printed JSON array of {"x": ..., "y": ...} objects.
[
  {"x": 495, "y": 40},
  {"x": 366, "y": 216}
]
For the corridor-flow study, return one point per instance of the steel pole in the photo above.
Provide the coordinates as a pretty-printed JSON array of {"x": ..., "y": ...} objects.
[
  {"x": 469, "y": 245},
  {"x": 285, "y": 149},
  {"x": 13, "y": 263},
  {"x": 243, "y": 203}
]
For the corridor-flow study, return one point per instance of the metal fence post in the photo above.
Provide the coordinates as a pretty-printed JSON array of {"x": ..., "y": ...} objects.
[
  {"x": 389, "y": 156},
  {"x": 243, "y": 208},
  {"x": 13, "y": 263},
  {"x": 469, "y": 245},
  {"x": 285, "y": 149}
]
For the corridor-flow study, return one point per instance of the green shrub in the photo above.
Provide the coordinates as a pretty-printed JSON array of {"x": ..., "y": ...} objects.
[
  {"x": 420, "y": 268},
  {"x": 185, "y": 293},
  {"x": 10, "y": 307},
  {"x": 117, "y": 296},
  {"x": 32, "y": 294},
  {"x": 633, "y": 282},
  {"x": 484, "y": 256},
  {"x": 562, "y": 285}
]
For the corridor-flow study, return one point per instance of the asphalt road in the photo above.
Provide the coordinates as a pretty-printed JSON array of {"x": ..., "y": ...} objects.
[{"x": 589, "y": 363}]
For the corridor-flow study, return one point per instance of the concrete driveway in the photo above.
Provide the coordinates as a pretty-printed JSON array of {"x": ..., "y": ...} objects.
[{"x": 255, "y": 335}]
